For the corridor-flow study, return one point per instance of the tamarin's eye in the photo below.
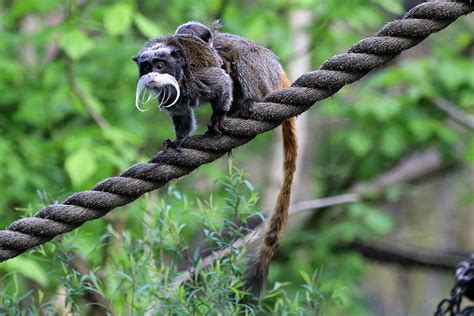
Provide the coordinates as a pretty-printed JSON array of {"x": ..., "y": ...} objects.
[
  {"x": 145, "y": 66},
  {"x": 159, "y": 65}
]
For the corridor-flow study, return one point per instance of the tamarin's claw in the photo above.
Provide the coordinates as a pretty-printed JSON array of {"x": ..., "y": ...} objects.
[
  {"x": 216, "y": 125},
  {"x": 167, "y": 144},
  {"x": 246, "y": 110}
]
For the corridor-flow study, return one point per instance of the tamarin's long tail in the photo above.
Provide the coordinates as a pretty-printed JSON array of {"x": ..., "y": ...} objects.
[{"x": 258, "y": 266}]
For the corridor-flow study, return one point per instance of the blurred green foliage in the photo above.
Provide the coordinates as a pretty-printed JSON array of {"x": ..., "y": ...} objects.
[{"x": 67, "y": 120}]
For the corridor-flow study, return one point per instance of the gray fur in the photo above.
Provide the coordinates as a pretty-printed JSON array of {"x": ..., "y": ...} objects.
[
  {"x": 228, "y": 71},
  {"x": 253, "y": 67},
  {"x": 255, "y": 70},
  {"x": 197, "y": 68}
]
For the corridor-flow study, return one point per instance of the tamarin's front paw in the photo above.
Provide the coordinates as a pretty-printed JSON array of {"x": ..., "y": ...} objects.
[
  {"x": 167, "y": 144},
  {"x": 216, "y": 126}
]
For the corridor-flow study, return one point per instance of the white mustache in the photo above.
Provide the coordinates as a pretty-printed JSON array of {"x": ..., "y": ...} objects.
[{"x": 152, "y": 85}]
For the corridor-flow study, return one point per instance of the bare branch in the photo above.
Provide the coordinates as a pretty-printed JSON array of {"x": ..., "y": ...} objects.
[
  {"x": 76, "y": 89},
  {"x": 411, "y": 168},
  {"x": 406, "y": 256},
  {"x": 324, "y": 202},
  {"x": 454, "y": 112},
  {"x": 239, "y": 243}
]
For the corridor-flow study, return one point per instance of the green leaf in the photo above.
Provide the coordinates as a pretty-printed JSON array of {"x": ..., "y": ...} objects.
[
  {"x": 305, "y": 277},
  {"x": 341, "y": 295},
  {"x": 393, "y": 141},
  {"x": 453, "y": 74},
  {"x": 393, "y": 7},
  {"x": 466, "y": 98},
  {"x": 19, "y": 8},
  {"x": 28, "y": 268},
  {"x": 75, "y": 43},
  {"x": 386, "y": 108},
  {"x": 118, "y": 19},
  {"x": 359, "y": 143},
  {"x": 87, "y": 89},
  {"x": 421, "y": 127},
  {"x": 80, "y": 166},
  {"x": 377, "y": 222},
  {"x": 29, "y": 111},
  {"x": 145, "y": 26},
  {"x": 446, "y": 134},
  {"x": 46, "y": 6},
  {"x": 469, "y": 152}
]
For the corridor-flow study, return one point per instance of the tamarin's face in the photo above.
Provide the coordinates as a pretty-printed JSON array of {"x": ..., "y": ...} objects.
[
  {"x": 160, "y": 69},
  {"x": 161, "y": 59}
]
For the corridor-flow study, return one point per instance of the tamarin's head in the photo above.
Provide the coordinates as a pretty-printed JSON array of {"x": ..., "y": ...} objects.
[
  {"x": 160, "y": 68},
  {"x": 165, "y": 64},
  {"x": 199, "y": 30}
]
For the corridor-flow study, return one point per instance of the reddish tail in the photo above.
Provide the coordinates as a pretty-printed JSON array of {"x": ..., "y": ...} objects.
[{"x": 256, "y": 274}]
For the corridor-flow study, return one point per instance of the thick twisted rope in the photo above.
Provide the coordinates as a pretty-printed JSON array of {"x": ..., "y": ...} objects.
[{"x": 368, "y": 54}]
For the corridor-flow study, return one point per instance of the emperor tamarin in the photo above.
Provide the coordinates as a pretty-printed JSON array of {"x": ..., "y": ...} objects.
[{"x": 232, "y": 73}]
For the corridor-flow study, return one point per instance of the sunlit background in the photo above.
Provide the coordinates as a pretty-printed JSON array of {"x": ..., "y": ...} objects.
[{"x": 68, "y": 120}]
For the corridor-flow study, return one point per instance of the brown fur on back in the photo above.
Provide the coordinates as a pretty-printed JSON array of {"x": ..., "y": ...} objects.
[
  {"x": 198, "y": 53},
  {"x": 255, "y": 68}
]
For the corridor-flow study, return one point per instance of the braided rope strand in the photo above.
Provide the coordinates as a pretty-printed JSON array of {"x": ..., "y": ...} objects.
[{"x": 366, "y": 55}]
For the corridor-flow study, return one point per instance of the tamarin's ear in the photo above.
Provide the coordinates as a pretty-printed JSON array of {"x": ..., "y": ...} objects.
[
  {"x": 216, "y": 26},
  {"x": 135, "y": 58}
]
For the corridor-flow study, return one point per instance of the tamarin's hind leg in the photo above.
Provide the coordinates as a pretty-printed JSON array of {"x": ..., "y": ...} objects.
[{"x": 219, "y": 93}]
